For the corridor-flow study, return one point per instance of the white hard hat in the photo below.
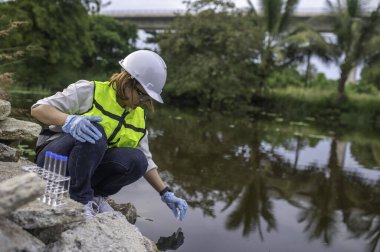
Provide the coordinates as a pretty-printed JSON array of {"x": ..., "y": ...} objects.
[{"x": 149, "y": 69}]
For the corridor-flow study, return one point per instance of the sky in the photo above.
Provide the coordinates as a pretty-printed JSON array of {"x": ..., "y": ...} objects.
[{"x": 330, "y": 70}]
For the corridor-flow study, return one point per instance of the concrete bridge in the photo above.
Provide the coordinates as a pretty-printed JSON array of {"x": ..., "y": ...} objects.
[{"x": 160, "y": 19}]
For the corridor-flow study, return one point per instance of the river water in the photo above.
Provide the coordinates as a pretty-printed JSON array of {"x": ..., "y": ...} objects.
[{"x": 259, "y": 184}]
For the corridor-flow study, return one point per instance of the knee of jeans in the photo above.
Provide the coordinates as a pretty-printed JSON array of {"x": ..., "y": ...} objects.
[
  {"x": 140, "y": 162},
  {"x": 102, "y": 142}
]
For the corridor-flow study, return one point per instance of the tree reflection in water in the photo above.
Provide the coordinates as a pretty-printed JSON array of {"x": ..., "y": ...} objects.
[
  {"x": 201, "y": 158},
  {"x": 254, "y": 204}
]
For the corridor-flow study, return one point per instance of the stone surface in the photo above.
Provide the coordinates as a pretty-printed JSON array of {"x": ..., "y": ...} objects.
[
  {"x": 37, "y": 215},
  {"x": 5, "y": 109},
  {"x": 8, "y": 154},
  {"x": 14, "y": 238},
  {"x": 108, "y": 231},
  {"x": 12, "y": 169},
  {"x": 128, "y": 210},
  {"x": 19, "y": 191},
  {"x": 13, "y": 129}
]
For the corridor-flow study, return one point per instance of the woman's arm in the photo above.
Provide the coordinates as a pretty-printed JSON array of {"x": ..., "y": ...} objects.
[
  {"x": 75, "y": 99},
  {"x": 49, "y": 115},
  {"x": 154, "y": 180}
]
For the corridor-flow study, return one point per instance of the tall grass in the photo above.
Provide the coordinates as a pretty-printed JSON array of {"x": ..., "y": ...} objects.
[{"x": 359, "y": 110}]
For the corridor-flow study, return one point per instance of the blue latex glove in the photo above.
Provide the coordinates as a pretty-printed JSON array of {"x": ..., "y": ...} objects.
[
  {"x": 177, "y": 205},
  {"x": 81, "y": 128}
]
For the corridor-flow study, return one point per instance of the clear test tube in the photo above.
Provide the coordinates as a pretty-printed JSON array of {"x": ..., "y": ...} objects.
[
  {"x": 57, "y": 166},
  {"x": 63, "y": 181},
  {"x": 47, "y": 163},
  {"x": 51, "y": 178},
  {"x": 62, "y": 167},
  {"x": 53, "y": 164}
]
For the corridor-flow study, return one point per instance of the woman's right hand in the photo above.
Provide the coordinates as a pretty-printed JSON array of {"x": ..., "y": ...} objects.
[{"x": 81, "y": 128}]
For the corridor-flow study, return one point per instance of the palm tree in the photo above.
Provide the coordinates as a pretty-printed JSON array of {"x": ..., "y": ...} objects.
[
  {"x": 303, "y": 43},
  {"x": 275, "y": 18},
  {"x": 357, "y": 36}
]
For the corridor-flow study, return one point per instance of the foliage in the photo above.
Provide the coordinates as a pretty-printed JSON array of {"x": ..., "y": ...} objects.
[
  {"x": 211, "y": 55},
  {"x": 274, "y": 52},
  {"x": 60, "y": 30},
  {"x": 363, "y": 88},
  {"x": 357, "y": 36},
  {"x": 321, "y": 82},
  {"x": 8, "y": 52},
  {"x": 68, "y": 43},
  {"x": 303, "y": 43},
  {"x": 113, "y": 40},
  {"x": 361, "y": 110},
  {"x": 371, "y": 72},
  {"x": 284, "y": 78}
]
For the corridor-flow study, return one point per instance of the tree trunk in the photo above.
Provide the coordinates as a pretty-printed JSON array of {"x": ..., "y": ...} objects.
[
  {"x": 306, "y": 81},
  {"x": 341, "y": 87}
]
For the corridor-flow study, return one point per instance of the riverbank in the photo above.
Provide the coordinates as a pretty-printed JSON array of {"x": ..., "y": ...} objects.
[
  {"x": 27, "y": 224},
  {"x": 358, "y": 111}
]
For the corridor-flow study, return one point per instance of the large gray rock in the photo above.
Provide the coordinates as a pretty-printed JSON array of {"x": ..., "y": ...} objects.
[
  {"x": 108, "y": 231},
  {"x": 13, "y": 129},
  {"x": 19, "y": 191},
  {"x": 37, "y": 215},
  {"x": 14, "y": 238},
  {"x": 5, "y": 109},
  {"x": 8, "y": 154}
]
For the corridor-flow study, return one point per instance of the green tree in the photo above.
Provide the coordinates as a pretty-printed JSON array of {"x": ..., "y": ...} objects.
[
  {"x": 371, "y": 72},
  {"x": 303, "y": 43},
  {"x": 60, "y": 29},
  {"x": 113, "y": 40},
  {"x": 211, "y": 53},
  {"x": 10, "y": 52},
  {"x": 357, "y": 36},
  {"x": 274, "y": 20}
]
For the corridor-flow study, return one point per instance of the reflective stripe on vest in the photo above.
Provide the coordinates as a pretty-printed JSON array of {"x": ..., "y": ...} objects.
[{"x": 123, "y": 128}]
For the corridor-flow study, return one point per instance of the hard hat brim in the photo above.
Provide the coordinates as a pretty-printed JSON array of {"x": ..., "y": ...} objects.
[{"x": 153, "y": 95}]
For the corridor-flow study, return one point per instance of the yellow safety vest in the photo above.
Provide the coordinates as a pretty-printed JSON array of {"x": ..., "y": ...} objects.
[{"x": 124, "y": 128}]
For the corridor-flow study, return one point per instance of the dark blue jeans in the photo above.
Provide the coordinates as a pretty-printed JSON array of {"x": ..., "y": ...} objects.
[{"x": 94, "y": 169}]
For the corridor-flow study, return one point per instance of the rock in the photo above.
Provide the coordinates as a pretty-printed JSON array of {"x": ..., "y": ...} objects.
[
  {"x": 5, "y": 109},
  {"x": 13, "y": 129},
  {"x": 12, "y": 169},
  {"x": 20, "y": 190},
  {"x": 128, "y": 210},
  {"x": 8, "y": 154},
  {"x": 108, "y": 231},
  {"x": 14, "y": 238},
  {"x": 37, "y": 215}
]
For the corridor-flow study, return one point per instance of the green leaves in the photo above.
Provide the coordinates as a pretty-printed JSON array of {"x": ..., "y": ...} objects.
[
  {"x": 64, "y": 43},
  {"x": 210, "y": 56},
  {"x": 355, "y": 31},
  {"x": 113, "y": 40}
]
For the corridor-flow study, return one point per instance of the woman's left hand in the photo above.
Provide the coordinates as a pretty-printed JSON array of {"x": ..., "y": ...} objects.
[{"x": 177, "y": 205}]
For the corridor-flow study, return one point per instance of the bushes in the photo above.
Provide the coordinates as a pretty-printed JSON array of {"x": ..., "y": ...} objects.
[{"x": 359, "y": 110}]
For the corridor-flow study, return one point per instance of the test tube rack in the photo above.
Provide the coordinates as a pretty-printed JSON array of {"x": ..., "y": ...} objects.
[{"x": 54, "y": 173}]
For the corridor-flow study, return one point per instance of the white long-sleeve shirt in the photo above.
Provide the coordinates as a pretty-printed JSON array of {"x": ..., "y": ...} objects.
[{"x": 77, "y": 99}]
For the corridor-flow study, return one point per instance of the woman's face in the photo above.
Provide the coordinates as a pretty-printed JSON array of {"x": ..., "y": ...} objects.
[{"x": 136, "y": 96}]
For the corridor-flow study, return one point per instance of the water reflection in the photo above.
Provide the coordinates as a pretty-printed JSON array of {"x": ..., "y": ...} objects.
[
  {"x": 172, "y": 242},
  {"x": 331, "y": 181}
]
